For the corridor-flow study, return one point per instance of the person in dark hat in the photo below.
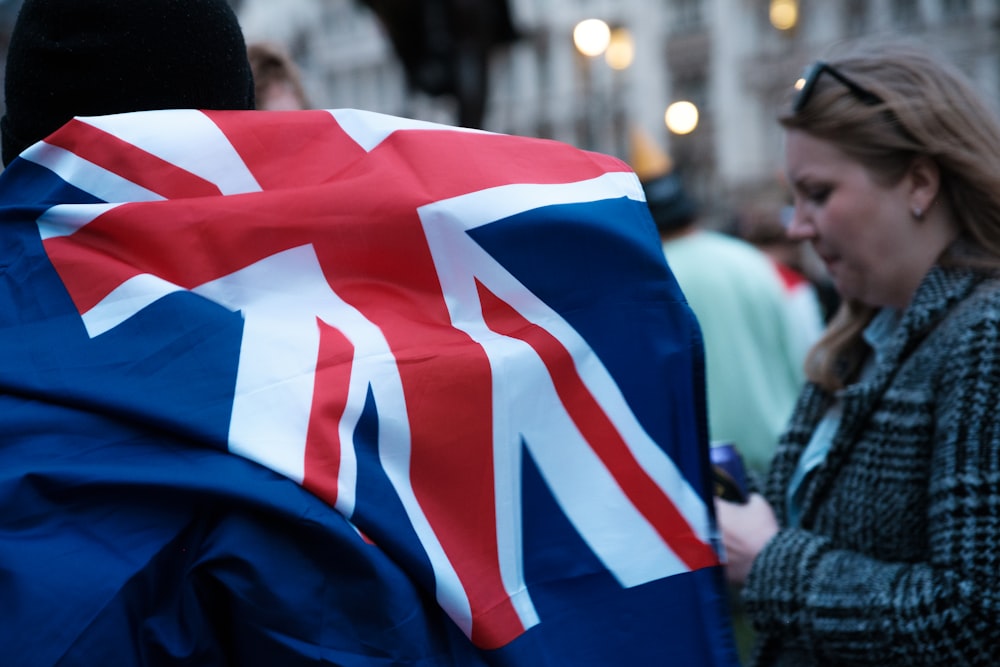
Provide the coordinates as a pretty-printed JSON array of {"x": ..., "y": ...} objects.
[
  {"x": 671, "y": 206},
  {"x": 137, "y": 529},
  {"x": 96, "y": 57}
]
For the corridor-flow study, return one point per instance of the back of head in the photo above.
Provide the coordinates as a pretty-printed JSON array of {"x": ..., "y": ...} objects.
[
  {"x": 277, "y": 79},
  {"x": 911, "y": 102},
  {"x": 95, "y": 57},
  {"x": 669, "y": 204}
]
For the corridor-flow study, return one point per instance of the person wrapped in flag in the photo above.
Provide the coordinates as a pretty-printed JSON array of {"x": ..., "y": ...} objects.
[{"x": 329, "y": 387}]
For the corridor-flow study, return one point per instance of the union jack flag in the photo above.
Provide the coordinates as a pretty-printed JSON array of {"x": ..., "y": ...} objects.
[{"x": 467, "y": 343}]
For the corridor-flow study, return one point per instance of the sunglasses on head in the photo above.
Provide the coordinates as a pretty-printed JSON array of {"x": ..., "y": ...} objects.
[{"x": 807, "y": 85}]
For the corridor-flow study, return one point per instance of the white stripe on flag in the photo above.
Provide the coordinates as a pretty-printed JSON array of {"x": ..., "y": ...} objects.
[
  {"x": 87, "y": 176},
  {"x": 204, "y": 152}
]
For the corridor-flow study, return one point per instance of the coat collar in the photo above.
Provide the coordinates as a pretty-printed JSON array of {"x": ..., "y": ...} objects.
[{"x": 937, "y": 294}]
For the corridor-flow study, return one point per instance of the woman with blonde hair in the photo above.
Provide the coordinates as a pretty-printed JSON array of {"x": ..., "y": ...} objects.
[{"x": 876, "y": 539}]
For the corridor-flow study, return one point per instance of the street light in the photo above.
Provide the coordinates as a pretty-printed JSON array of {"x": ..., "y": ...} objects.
[
  {"x": 591, "y": 37},
  {"x": 784, "y": 14},
  {"x": 681, "y": 117},
  {"x": 621, "y": 49}
]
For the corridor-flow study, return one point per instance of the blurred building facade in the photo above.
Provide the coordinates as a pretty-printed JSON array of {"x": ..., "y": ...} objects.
[{"x": 725, "y": 56}]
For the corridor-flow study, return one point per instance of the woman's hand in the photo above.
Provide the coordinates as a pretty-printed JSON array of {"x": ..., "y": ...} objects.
[{"x": 746, "y": 529}]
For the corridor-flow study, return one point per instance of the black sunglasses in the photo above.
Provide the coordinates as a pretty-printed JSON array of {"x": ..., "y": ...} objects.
[{"x": 813, "y": 73}]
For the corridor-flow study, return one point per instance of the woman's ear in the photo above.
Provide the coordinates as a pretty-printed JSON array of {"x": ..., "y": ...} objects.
[{"x": 924, "y": 182}]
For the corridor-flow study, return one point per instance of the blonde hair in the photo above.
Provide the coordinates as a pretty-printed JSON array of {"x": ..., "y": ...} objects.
[{"x": 928, "y": 108}]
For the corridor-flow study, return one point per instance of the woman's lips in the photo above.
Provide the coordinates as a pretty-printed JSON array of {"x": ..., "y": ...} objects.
[{"x": 827, "y": 258}]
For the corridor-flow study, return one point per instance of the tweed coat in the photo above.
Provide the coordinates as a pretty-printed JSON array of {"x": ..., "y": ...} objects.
[{"x": 896, "y": 560}]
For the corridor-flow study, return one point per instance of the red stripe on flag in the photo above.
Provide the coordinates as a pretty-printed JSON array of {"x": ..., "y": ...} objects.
[
  {"x": 330, "y": 391},
  {"x": 320, "y": 151},
  {"x": 447, "y": 170},
  {"x": 442, "y": 162},
  {"x": 447, "y": 382},
  {"x": 92, "y": 264},
  {"x": 131, "y": 163},
  {"x": 187, "y": 242},
  {"x": 600, "y": 432}
]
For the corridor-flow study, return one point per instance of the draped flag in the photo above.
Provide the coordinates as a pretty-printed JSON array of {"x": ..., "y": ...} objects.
[{"x": 333, "y": 387}]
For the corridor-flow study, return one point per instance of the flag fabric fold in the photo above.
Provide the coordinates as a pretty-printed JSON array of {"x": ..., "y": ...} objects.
[{"x": 334, "y": 387}]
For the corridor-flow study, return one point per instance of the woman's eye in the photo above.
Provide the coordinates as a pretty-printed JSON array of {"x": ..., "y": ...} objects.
[{"x": 817, "y": 195}]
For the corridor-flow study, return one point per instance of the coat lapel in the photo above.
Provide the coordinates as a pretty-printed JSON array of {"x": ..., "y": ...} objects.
[{"x": 937, "y": 294}]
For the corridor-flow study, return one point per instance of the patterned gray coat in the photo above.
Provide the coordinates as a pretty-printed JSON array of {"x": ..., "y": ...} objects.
[{"x": 897, "y": 557}]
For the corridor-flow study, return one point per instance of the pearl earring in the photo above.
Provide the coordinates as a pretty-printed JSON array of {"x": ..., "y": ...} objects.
[{"x": 918, "y": 212}]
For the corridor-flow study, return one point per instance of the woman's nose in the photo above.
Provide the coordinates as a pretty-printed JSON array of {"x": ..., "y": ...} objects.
[{"x": 798, "y": 225}]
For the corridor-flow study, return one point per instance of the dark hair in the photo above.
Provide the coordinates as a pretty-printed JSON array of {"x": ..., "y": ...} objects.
[
  {"x": 669, "y": 203},
  {"x": 95, "y": 57}
]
